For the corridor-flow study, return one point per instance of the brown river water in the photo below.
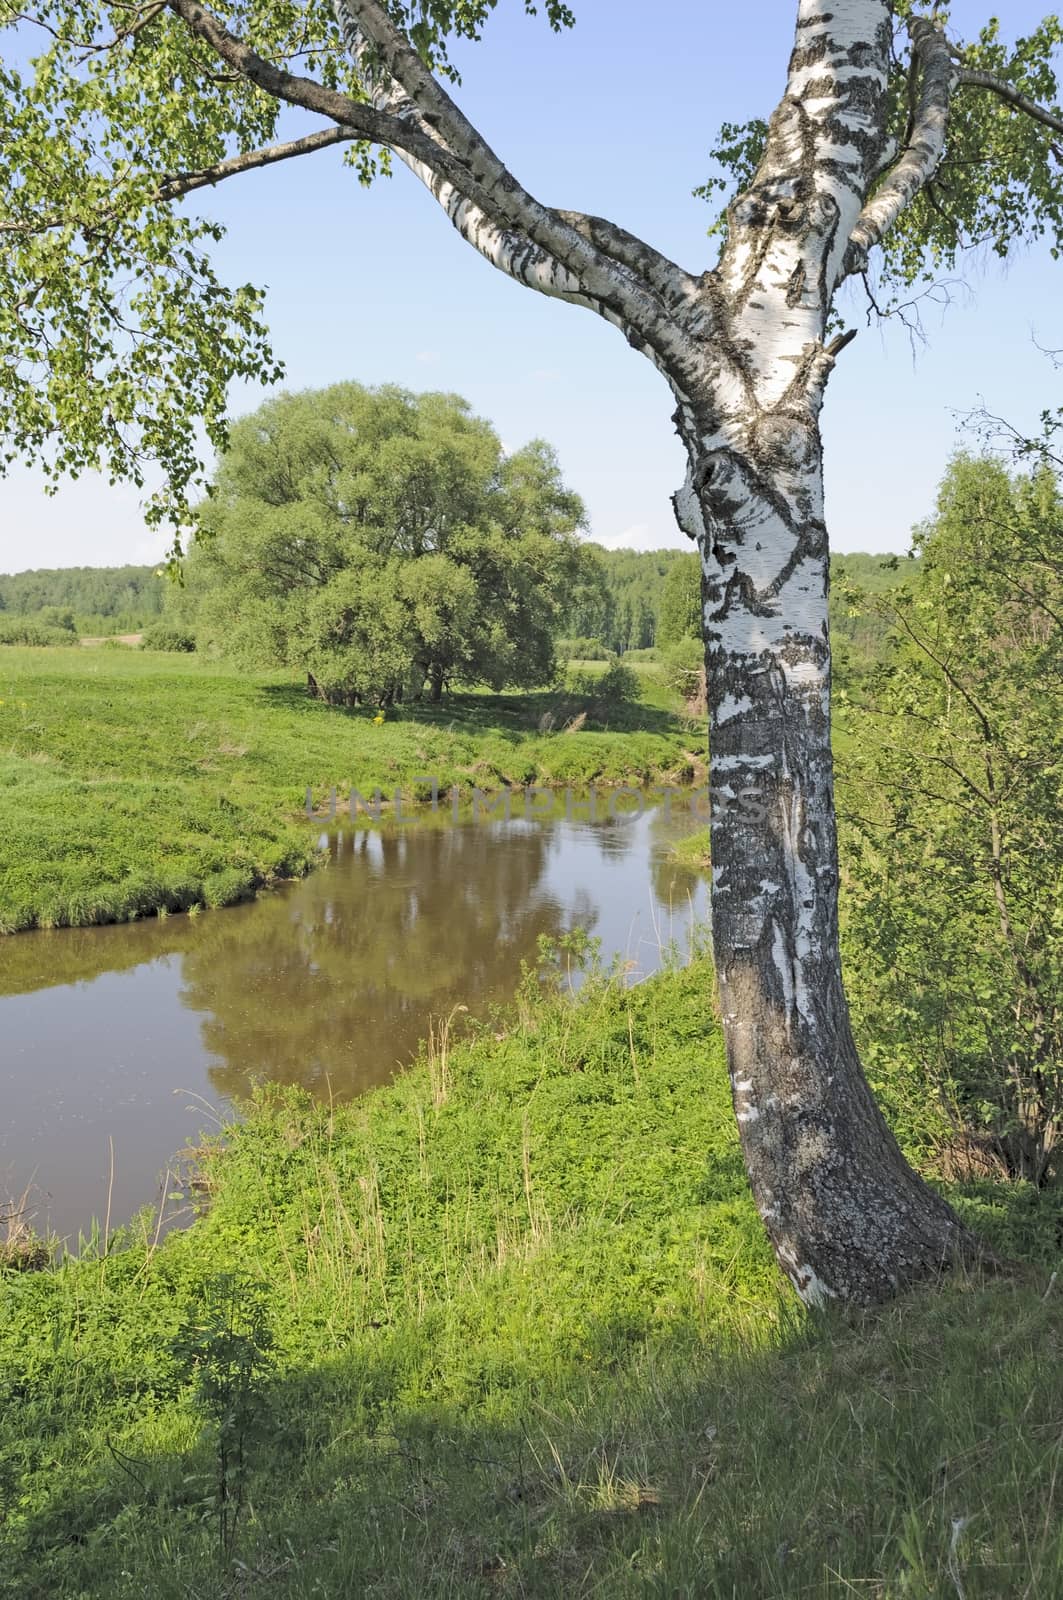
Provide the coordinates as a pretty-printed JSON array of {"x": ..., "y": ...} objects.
[{"x": 118, "y": 1045}]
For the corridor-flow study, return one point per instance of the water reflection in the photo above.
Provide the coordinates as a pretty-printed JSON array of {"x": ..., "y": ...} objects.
[
  {"x": 331, "y": 984},
  {"x": 123, "y": 1035}
]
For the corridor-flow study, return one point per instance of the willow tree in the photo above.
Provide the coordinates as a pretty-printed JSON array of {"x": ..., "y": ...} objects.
[{"x": 893, "y": 143}]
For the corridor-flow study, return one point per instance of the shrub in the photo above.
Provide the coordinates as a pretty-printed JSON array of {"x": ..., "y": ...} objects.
[
  {"x": 166, "y": 636},
  {"x": 581, "y": 650},
  {"x": 57, "y": 617},
  {"x": 616, "y": 684},
  {"x": 683, "y": 664},
  {"x": 27, "y": 630}
]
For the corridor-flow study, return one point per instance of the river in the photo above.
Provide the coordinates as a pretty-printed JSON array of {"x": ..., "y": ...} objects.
[{"x": 118, "y": 1045}]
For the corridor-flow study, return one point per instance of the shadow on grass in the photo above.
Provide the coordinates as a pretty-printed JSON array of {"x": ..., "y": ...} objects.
[
  {"x": 916, "y": 1452},
  {"x": 507, "y": 716}
]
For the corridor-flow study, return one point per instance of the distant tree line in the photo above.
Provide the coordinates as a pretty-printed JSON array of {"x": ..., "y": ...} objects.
[
  {"x": 618, "y": 603},
  {"x": 634, "y": 600},
  {"x": 84, "y": 599}
]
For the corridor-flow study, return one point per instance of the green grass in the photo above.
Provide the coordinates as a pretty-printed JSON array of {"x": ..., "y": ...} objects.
[
  {"x": 530, "y": 1341},
  {"x": 131, "y": 781},
  {"x": 693, "y": 851}
]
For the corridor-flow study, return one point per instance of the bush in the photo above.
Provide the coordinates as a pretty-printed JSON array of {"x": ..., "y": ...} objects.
[
  {"x": 27, "y": 630},
  {"x": 581, "y": 650},
  {"x": 165, "y": 636},
  {"x": 57, "y": 617},
  {"x": 683, "y": 664},
  {"x": 617, "y": 683}
]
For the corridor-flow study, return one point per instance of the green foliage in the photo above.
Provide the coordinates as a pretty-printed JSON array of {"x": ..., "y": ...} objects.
[
  {"x": 499, "y": 1362},
  {"x": 997, "y": 186},
  {"x": 131, "y": 782},
  {"x": 118, "y": 338},
  {"x": 683, "y": 665},
  {"x": 581, "y": 650},
  {"x": 130, "y": 595},
  {"x": 859, "y": 623},
  {"x": 60, "y": 617},
  {"x": 679, "y": 616},
  {"x": 952, "y": 790},
  {"x": 617, "y": 682},
  {"x": 28, "y": 630},
  {"x": 618, "y": 597},
  {"x": 164, "y": 635},
  {"x": 383, "y": 542},
  {"x": 224, "y": 1348},
  {"x": 738, "y": 152},
  {"x": 998, "y": 183}
]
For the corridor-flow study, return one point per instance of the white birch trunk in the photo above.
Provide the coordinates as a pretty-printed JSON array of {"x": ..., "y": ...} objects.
[{"x": 848, "y": 1217}]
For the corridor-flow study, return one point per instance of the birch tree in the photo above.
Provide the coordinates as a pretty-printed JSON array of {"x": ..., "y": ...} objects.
[{"x": 893, "y": 143}]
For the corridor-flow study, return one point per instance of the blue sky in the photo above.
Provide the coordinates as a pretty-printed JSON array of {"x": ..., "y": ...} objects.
[{"x": 375, "y": 286}]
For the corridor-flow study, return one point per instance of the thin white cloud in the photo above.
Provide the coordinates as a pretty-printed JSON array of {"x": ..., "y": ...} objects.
[
  {"x": 428, "y": 358},
  {"x": 638, "y": 537}
]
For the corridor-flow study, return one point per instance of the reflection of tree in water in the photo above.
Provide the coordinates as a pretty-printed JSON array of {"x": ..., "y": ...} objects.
[
  {"x": 336, "y": 978},
  {"x": 677, "y": 886}
]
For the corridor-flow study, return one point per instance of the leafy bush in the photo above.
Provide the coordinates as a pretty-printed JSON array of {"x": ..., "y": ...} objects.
[
  {"x": 165, "y": 636},
  {"x": 27, "y": 630},
  {"x": 57, "y": 617},
  {"x": 581, "y": 650},
  {"x": 616, "y": 684},
  {"x": 954, "y": 858},
  {"x": 683, "y": 663}
]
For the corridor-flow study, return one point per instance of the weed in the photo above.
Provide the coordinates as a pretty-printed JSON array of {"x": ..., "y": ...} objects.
[{"x": 224, "y": 1348}]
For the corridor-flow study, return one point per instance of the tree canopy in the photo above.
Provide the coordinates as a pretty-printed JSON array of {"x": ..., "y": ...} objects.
[{"x": 383, "y": 541}]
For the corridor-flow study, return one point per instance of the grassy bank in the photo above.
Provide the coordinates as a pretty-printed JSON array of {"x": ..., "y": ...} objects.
[
  {"x": 131, "y": 782},
  {"x": 527, "y": 1339}
]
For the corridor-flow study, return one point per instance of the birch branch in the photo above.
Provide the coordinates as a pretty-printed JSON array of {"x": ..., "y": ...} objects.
[
  {"x": 361, "y": 120},
  {"x": 974, "y": 78},
  {"x": 581, "y": 275},
  {"x": 403, "y": 133},
  {"x": 206, "y": 177},
  {"x": 578, "y": 248},
  {"x": 465, "y": 204},
  {"x": 923, "y": 152},
  {"x": 675, "y": 286}
]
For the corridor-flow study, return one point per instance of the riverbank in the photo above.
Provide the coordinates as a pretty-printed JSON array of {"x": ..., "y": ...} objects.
[
  {"x": 134, "y": 782},
  {"x": 511, "y": 1327}
]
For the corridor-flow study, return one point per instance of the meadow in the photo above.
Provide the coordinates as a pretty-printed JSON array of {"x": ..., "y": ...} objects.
[
  {"x": 137, "y": 782},
  {"x": 449, "y": 1340}
]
